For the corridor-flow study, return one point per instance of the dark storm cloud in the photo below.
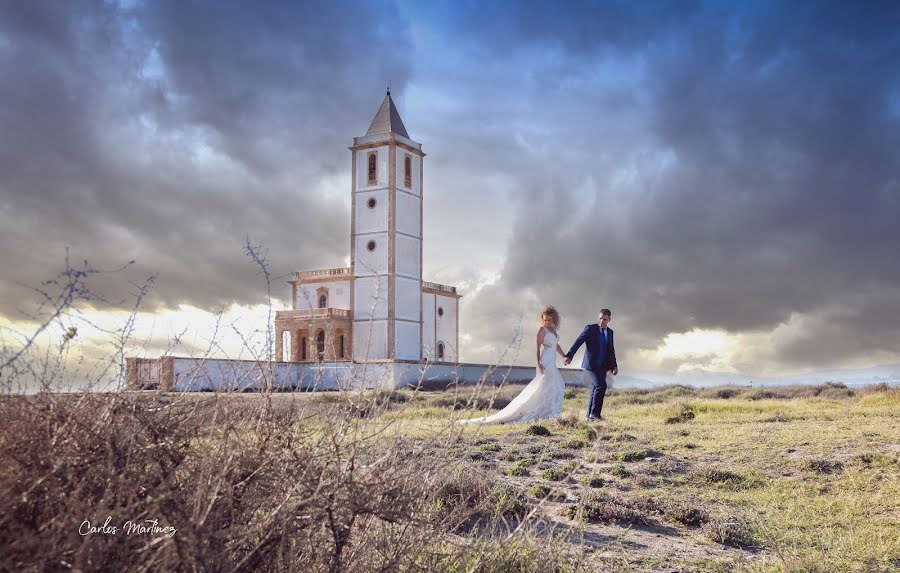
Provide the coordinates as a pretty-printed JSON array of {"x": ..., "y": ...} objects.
[
  {"x": 759, "y": 182},
  {"x": 169, "y": 131},
  {"x": 689, "y": 164}
]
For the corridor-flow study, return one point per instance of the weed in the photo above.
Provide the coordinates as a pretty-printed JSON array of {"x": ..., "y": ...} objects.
[
  {"x": 684, "y": 413},
  {"x": 823, "y": 466},
  {"x": 537, "y": 430},
  {"x": 733, "y": 532},
  {"x": 539, "y": 490},
  {"x": 620, "y": 472},
  {"x": 637, "y": 455},
  {"x": 598, "y": 507}
]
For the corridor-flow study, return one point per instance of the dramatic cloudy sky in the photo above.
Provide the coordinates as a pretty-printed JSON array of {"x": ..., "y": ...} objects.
[{"x": 724, "y": 176}]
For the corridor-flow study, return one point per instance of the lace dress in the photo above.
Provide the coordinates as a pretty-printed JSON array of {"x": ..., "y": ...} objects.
[{"x": 541, "y": 399}]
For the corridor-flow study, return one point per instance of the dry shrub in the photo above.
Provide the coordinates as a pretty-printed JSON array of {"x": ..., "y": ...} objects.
[
  {"x": 637, "y": 455},
  {"x": 721, "y": 392},
  {"x": 568, "y": 420},
  {"x": 651, "y": 396},
  {"x": 682, "y": 413},
  {"x": 716, "y": 475},
  {"x": 829, "y": 390},
  {"x": 823, "y": 466},
  {"x": 537, "y": 430},
  {"x": 730, "y": 531},
  {"x": 600, "y": 507},
  {"x": 455, "y": 402},
  {"x": 248, "y": 486}
]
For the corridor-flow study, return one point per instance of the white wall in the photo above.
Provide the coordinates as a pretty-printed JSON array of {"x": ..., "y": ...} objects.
[
  {"x": 193, "y": 374},
  {"x": 370, "y": 340},
  {"x": 371, "y": 262},
  {"x": 338, "y": 295},
  {"x": 409, "y": 211},
  {"x": 416, "y": 160},
  {"x": 406, "y": 337},
  {"x": 408, "y": 254},
  {"x": 372, "y": 219},
  {"x": 362, "y": 168},
  {"x": 407, "y": 298},
  {"x": 370, "y": 298},
  {"x": 445, "y": 326},
  {"x": 428, "y": 316}
]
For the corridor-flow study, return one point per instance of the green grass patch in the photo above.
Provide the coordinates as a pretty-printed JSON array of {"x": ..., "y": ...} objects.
[
  {"x": 594, "y": 480},
  {"x": 637, "y": 455}
]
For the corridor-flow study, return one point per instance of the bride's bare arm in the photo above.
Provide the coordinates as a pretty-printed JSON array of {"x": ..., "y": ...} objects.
[
  {"x": 540, "y": 341},
  {"x": 560, "y": 351}
]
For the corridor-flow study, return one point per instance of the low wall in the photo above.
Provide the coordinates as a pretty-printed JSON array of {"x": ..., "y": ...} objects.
[{"x": 198, "y": 375}]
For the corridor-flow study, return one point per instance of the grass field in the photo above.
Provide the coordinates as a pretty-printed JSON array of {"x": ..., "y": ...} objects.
[{"x": 676, "y": 479}]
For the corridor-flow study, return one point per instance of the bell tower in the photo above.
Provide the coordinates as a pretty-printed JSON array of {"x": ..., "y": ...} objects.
[{"x": 386, "y": 241}]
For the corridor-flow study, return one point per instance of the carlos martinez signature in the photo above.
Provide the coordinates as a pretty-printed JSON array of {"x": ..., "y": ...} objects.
[{"x": 148, "y": 526}]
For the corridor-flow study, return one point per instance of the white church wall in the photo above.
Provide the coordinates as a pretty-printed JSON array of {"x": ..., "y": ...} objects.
[
  {"x": 374, "y": 261},
  {"x": 407, "y": 298},
  {"x": 196, "y": 374},
  {"x": 370, "y": 298},
  {"x": 408, "y": 214},
  {"x": 370, "y": 340},
  {"x": 408, "y": 254},
  {"x": 446, "y": 325},
  {"x": 406, "y": 338},
  {"x": 338, "y": 295},
  {"x": 372, "y": 219},
  {"x": 428, "y": 314},
  {"x": 362, "y": 168},
  {"x": 401, "y": 179}
]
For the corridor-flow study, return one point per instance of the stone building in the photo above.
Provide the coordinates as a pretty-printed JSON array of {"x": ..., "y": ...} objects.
[{"x": 379, "y": 309}]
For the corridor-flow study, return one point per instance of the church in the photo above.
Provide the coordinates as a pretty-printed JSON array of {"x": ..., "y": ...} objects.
[
  {"x": 378, "y": 309},
  {"x": 374, "y": 324}
]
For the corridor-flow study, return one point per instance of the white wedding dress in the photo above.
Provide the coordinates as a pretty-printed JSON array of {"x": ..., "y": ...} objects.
[{"x": 541, "y": 399}]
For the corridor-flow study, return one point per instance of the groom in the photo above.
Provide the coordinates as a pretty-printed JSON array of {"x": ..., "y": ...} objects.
[{"x": 599, "y": 358}]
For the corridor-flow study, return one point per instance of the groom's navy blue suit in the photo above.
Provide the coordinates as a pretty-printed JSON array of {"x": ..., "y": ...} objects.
[{"x": 599, "y": 358}]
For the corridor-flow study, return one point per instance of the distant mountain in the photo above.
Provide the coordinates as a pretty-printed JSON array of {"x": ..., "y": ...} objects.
[{"x": 889, "y": 374}]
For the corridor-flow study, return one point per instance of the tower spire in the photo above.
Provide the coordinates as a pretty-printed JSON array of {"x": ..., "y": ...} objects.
[{"x": 387, "y": 120}]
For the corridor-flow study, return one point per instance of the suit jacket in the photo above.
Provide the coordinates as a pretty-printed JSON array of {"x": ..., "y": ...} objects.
[{"x": 596, "y": 356}]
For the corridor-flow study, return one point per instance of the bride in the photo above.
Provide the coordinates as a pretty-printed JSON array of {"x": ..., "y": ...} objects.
[{"x": 543, "y": 396}]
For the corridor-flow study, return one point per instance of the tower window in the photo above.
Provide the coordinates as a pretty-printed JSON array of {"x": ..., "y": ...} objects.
[
  {"x": 373, "y": 169},
  {"x": 440, "y": 351},
  {"x": 323, "y": 301},
  {"x": 370, "y": 245},
  {"x": 342, "y": 346},
  {"x": 303, "y": 349},
  {"x": 440, "y": 311},
  {"x": 407, "y": 171},
  {"x": 371, "y": 202},
  {"x": 320, "y": 345}
]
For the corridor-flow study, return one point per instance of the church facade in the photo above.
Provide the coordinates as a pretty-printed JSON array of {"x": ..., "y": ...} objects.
[{"x": 378, "y": 309}]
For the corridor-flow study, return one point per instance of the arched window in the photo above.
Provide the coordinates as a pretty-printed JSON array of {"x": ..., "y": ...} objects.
[
  {"x": 323, "y": 301},
  {"x": 440, "y": 354},
  {"x": 373, "y": 168},
  {"x": 303, "y": 344},
  {"x": 342, "y": 347},
  {"x": 320, "y": 345},
  {"x": 407, "y": 171}
]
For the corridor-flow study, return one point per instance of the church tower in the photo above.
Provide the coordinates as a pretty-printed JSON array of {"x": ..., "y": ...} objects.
[{"x": 386, "y": 241}]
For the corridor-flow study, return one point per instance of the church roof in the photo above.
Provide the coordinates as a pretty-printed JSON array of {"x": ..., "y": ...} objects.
[{"x": 387, "y": 119}]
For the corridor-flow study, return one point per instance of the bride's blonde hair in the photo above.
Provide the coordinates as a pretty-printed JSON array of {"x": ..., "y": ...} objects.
[{"x": 552, "y": 313}]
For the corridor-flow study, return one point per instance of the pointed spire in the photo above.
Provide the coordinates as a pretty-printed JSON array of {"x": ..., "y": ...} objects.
[{"x": 387, "y": 119}]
